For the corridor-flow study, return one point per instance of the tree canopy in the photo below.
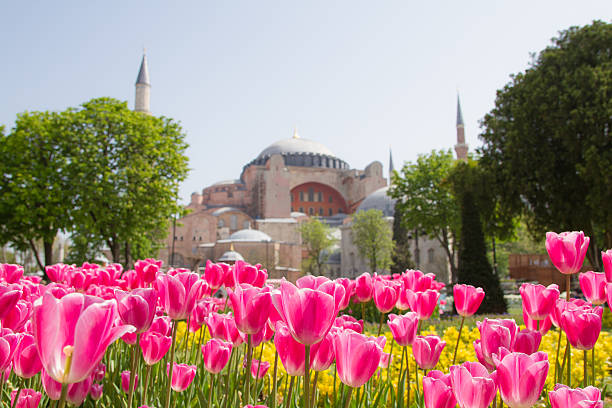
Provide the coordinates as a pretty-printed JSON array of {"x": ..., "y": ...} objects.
[
  {"x": 372, "y": 236},
  {"x": 425, "y": 200},
  {"x": 105, "y": 174},
  {"x": 317, "y": 238},
  {"x": 547, "y": 142}
]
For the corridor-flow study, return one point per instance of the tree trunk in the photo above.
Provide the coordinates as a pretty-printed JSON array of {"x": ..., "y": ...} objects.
[
  {"x": 113, "y": 245},
  {"x": 37, "y": 256},
  {"x": 128, "y": 256}
]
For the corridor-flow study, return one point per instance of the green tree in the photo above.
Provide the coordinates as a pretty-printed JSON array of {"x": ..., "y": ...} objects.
[
  {"x": 547, "y": 142},
  {"x": 36, "y": 184},
  {"x": 401, "y": 258},
  {"x": 372, "y": 236},
  {"x": 317, "y": 238},
  {"x": 129, "y": 169},
  {"x": 426, "y": 203},
  {"x": 474, "y": 267}
]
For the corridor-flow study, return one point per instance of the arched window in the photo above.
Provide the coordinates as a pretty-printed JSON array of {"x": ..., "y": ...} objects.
[
  {"x": 233, "y": 222},
  {"x": 221, "y": 223}
]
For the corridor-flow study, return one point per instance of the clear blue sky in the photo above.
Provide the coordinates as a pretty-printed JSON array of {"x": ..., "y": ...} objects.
[{"x": 358, "y": 76}]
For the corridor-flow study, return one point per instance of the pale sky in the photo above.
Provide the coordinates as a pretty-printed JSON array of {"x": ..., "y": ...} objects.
[{"x": 357, "y": 76}]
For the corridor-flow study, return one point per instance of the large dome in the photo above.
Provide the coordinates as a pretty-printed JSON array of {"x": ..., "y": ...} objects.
[
  {"x": 250, "y": 235},
  {"x": 379, "y": 200},
  {"x": 301, "y": 153},
  {"x": 295, "y": 145}
]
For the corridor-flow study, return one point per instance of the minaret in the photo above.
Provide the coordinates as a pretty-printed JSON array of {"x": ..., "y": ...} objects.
[
  {"x": 391, "y": 168},
  {"x": 461, "y": 148},
  {"x": 143, "y": 88}
]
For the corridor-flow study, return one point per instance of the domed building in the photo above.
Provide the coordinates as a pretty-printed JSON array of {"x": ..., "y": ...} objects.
[{"x": 258, "y": 214}]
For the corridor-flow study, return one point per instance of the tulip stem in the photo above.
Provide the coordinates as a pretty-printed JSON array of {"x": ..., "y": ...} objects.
[
  {"x": 68, "y": 350},
  {"x": 399, "y": 395},
  {"x": 363, "y": 312},
  {"x": 568, "y": 284},
  {"x": 247, "y": 381},
  {"x": 416, "y": 376},
  {"x": 348, "y": 397},
  {"x": 335, "y": 376},
  {"x": 569, "y": 363},
  {"x": 62, "y": 400},
  {"x": 171, "y": 368},
  {"x": 14, "y": 404},
  {"x": 289, "y": 392},
  {"x": 146, "y": 384},
  {"x": 458, "y": 338},
  {"x": 593, "y": 366},
  {"x": 210, "y": 389},
  {"x": 382, "y": 318},
  {"x": 274, "y": 380},
  {"x": 307, "y": 376},
  {"x": 133, "y": 371},
  {"x": 585, "y": 358},
  {"x": 557, "y": 358},
  {"x": 259, "y": 366},
  {"x": 314, "y": 389},
  {"x": 407, "y": 376},
  {"x": 227, "y": 379}
]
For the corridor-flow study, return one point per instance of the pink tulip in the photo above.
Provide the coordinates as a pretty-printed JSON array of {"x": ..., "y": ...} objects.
[
  {"x": 154, "y": 347},
  {"x": 223, "y": 327},
  {"x": 11, "y": 273},
  {"x": 52, "y": 388},
  {"x": 417, "y": 281},
  {"x": 489, "y": 364},
  {"x": 606, "y": 257},
  {"x": 357, "y": 357},
  {"x": 363, "y": 288},
  {"x": 404, "y": 327},
  {"x": 539, "y": 301},
  {"x": 567, "y": 250},
  {"x": 26, "y": 361},
  {"x": 467, "y": 299},
  {"x": 562, "y": 305},
  {"x": 77, "y": 392},
  {"x": 427, "y": 350},
  {"x": 259, "y": 368},
  {"x": 264, "y": 334},
  {"x": 385, "y": 295},
  {"x": 96, "y": 391},
  {"x": 385, "y": 359},
  {"x": 251, "y": 307},
  {"x": 146, "y": 270},
  {"x": 527, "y": 341},
  {"x": 99, "y": 372},
  {"x": 322, "y": 354},
  {"x": 178, "y": 294},
  {"x": 423, "y": 303},
  {"x": 162, "y": 325},
  {"x": 494, "y": 334},
  {"x": 214, "y": 275},
  {"x": 137, "y": 308},
  {"x": 18, "y": 316},
  {"x": 349, "y": 288},
  {"x": 28, "y": 398},
  {"x": 125, "y": 381},
  {"x": 564, "y": 397},
  {"x": 79, "y": 325},
  {"x": 311, "y": 282},
  {"x": 542, "y": 326},
  {"x": 8, "y": 345},
  {"x": 521, "y": 378},
  {"x": 437, "y": 390},
  {"x": 291, "y": 352},
  {"x": 8, "y": 299},
  {"x": 253, "y": 406},
  {"x": 308, "y": 313},
  {"x": 182, "y": 376},
  {"x": 246, "y": 273},
  {"x": 472, "y": 385},
  {"x": 216, "y": 353},
  {"x": 593, "y": 285},
  {"x": 582, "y": 326},
  {"x": 349, "y": 322}
]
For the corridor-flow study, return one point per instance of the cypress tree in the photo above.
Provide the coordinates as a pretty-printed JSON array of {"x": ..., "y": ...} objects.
[
  {"x": 474, "y": 267},
  {"x": 401, "y": 258}
]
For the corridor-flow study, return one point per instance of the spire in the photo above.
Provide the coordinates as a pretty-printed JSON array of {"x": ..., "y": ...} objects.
[
  {"x": 295, "y": 133},
  {"x": 461, "y": 148},
  {"x": 143, "y": 88},
  {"x": 143, "y": 73},
  {"x": 391, "y": 168},
  {"x": 459, "y": 114}
]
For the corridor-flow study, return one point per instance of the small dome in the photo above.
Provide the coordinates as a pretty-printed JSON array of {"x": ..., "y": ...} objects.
[
  {"x": 250, "y": 235},
  {"x": 231, "y": 256},
  {"x": 379, "y": 200},
  {"x": 295, "y": 145}
]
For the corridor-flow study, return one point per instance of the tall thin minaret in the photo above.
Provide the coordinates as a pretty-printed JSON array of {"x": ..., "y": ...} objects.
[
  {"x": 461, "y": 148},
  {"x": 391, "y": 168},
  {"x": 143, "y": 88}
]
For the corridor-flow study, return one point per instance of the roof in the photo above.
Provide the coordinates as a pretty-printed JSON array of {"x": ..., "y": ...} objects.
[
  {"x": 379, "y": 200},
  {"x": 295, "y": 145},
  {"x": 231, "y": 256},
  {"x": 459, "y": 114},
  {"x": 250, "y": 235},
  {"x": 223, "y": 210},
  {"x": 225, "y": 182},
  {"x": 143, "y": 73}
]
